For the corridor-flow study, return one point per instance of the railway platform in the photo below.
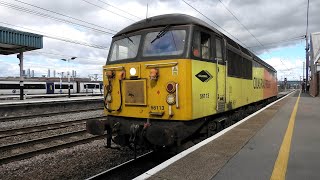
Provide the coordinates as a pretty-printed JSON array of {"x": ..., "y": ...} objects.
[
  {"x": 48, "y": 100},
  {"x": 10, "y": 109},
  {"x": 37, "y": 96},
  {"x": 281, "y": 141}
]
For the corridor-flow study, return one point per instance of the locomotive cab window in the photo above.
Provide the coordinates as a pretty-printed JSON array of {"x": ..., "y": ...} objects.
[
  {"x": 164, "y": 43},
  {"x": 201, "y": 45},
  {"x": 218, "y": 49},
  {"x": 125, "y": 48}
]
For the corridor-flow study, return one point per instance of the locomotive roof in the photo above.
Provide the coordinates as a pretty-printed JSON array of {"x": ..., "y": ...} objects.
[
  {"x": 180, "y": 19},
  {"x": 163, "y": 20}
]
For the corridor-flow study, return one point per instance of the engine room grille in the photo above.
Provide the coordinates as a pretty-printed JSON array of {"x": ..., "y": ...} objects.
[{"x": 135, "y": 92}]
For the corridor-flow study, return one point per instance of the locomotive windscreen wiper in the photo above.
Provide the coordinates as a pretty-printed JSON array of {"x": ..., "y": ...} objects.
[
  {"x": 161, "y": 33},
  {"x": 124, "y": 35}
]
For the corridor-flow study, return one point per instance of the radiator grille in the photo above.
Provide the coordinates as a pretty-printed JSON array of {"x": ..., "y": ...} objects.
[{"x": 135, "y": 92}]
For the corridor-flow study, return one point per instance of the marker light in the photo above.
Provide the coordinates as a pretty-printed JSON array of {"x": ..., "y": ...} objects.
[
  {"x": 171, "y": 99},
  {"x": 171, "y": 87},
  {"x": 122, "y": 75},
  {"x": 110, "y": 74},
  {"x": 133, "y": 71},
  {"x": 154, "y": 74}
]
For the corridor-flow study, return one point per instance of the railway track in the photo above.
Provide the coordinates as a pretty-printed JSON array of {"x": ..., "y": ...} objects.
[
  {"x": 29, "y": 148},
  {"x": 42, "y": 127},
  {"x": 133, "y": 167},
  {"x": 45, "y": 115}
]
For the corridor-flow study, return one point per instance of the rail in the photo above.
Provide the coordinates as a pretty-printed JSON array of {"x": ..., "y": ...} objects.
[
  {"x": 133, "y": 167},
  {"x": 29, "y": 148},
  {"x": 42, "y": 127}
]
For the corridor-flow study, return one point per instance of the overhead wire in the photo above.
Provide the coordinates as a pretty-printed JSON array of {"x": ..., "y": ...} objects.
[
  {"x": 119, "y": 9},
  {"x": 282, "y": 41},
  {"x": 108, "y": 10},
  {"x": 22, "y": 9},
  {"x": 38, "y": 7},
  {"x": 247, "y": 30},
  {"x": 240, "y": 22},
  {"x": 214, "y": 22},
  {"x": 61, "y": 55},
  {"x": 58, "y": 38}
]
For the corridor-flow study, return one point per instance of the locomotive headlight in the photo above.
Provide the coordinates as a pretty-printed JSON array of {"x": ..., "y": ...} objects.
[
  {"x": 109, "y": 98},
  {"x": 133, "y": 71},
  {"x": 171, "y": 99}
]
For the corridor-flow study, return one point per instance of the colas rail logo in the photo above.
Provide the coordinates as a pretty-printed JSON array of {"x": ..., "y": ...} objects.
[{"x": 204, "y": 76}]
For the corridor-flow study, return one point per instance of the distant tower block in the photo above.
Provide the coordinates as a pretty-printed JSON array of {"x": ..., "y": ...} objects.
[
  {"x": 73, "y": 73},
  {"x": 28, "y": 73},
  {"x": 48, "y": 73},
  {"x": 54, "y": 73},
  {"x": 32, "y": 73},
  {"x": 62, "y": 74}
]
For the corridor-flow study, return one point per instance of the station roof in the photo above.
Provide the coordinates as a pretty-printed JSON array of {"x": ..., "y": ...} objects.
[{"x": 13, "y": 41}]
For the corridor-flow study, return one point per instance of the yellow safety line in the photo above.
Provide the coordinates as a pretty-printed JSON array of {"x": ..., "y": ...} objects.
[{"x": 280, "y": 167}]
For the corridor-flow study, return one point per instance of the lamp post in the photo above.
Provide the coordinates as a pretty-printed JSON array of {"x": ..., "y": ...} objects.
[
  {"x": 68, "y": 73},
  {"x": 60, "y": 82}
]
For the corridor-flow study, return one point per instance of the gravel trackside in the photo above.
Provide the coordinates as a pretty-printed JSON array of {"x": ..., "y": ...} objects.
[
  {"x": 78, "y": 162},
  {"x": 49, "y": 119}
]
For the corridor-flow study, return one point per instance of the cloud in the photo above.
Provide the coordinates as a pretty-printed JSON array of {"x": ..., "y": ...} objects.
[
  {"x": 287, "y": 68},
  {"x": 268, "y": 21}
]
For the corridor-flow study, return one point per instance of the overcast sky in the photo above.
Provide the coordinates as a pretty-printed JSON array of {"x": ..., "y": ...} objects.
[{"x": 269, "y": 21}]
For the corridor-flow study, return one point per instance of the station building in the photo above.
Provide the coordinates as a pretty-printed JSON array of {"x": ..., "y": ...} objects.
[{"x": 314, "y": 54}]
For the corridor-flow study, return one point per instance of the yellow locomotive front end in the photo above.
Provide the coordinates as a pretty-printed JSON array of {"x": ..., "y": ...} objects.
[
  {"x": 150, "y": 90},
  {"x": 155, "y": 93},
  {"x": 148, "y": 86},
  {"x": 146, "y": 101}
]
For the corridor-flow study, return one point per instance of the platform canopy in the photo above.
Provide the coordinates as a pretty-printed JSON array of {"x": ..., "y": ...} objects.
[
  {"x": 13, "y": 41},
  {"x": 315, "y": 46}
]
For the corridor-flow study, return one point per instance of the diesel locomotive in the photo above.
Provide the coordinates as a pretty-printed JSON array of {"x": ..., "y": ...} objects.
[{"x": 170, "y": 76}]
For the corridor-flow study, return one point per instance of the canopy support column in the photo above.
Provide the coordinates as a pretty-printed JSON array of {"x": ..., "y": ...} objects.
[{"x": 20, "y": 56}]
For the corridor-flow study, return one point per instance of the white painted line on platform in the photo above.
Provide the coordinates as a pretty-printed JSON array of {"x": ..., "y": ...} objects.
[{"x": 175, "y": 158}]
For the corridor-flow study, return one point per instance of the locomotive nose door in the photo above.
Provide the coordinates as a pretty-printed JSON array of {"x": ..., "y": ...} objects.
[{"x": 221, "y": 75}]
